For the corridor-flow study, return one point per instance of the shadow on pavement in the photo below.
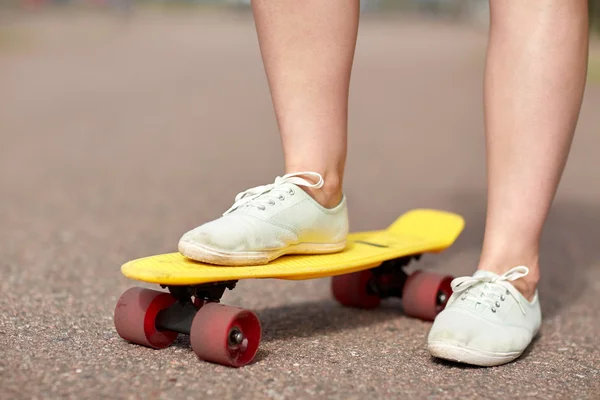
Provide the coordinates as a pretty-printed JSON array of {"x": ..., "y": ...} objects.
[{"x": 316, "y": 318}]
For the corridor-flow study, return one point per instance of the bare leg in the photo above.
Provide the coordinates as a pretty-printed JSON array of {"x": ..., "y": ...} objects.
[
  {"x": 534, "y": 83},
  {"x": 308, "y": 49}
]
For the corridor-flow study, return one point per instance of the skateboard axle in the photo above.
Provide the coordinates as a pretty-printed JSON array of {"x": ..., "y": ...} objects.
[
  {"x": 236, "y": 337},
  {"x": 179, "y": 316},
  {"x": 441, "y": 298}
]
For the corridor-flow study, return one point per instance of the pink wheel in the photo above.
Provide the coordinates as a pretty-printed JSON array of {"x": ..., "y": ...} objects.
[
  {"x": 225, "y": 335},
  {"x": 135, "y": 316},
  {"x": 425, "y": 294},
  {"x": 351, "y": 290}
]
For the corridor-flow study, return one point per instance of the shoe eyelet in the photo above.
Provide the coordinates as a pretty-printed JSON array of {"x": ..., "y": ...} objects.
[
  {"x": 493, "y": 310},
  {"x": 272, "y": 202},
  {"x": 463, "y": 298},
  {"x": 291, "y": 192},
  {"x": 507, "y": 292},
  {"x": 502, "y": 298},
  {"x": 262, "y": 208},
  {"x": 498, "y": 304},
  {"x": 281, "y": 197}
]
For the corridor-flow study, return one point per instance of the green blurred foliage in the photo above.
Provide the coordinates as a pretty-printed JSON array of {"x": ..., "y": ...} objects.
[{"x": 595, "y": 14}]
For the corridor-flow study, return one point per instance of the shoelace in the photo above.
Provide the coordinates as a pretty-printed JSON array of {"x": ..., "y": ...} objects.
[
  {"x": 490, "y": 290},
  {"x": 260, "y": 196}
]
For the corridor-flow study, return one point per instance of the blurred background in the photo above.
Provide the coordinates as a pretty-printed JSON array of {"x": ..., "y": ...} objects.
[
  {"x": 471, "y": 11},
  {"x": 125, "y": 123}
]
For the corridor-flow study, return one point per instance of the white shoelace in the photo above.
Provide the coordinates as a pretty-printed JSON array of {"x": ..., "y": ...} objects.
[
  {"x": 261, "y": 196},
  {"x": 490, "y": 290}
]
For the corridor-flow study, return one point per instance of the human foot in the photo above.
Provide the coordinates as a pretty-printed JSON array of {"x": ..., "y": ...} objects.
[
  {"x": 269, "y": 221},
  {"x": 486, "y": 321}
]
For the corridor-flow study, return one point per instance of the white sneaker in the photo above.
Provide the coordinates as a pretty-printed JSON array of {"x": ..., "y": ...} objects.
[
  {"x": 487, "y": 321},
  {"x": 267, "y": 222}
]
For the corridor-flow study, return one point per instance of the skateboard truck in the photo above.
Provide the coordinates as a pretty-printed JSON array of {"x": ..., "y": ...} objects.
[
  {"x": 207, "y": 291},
  {"x": 389, "y": 278},
  {"x": 179, "y": 316}
]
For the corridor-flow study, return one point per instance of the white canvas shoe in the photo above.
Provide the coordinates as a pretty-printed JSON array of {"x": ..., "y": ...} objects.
[
  {"x": 487, "y": 321},
  {"x": 267, "y": 222}
]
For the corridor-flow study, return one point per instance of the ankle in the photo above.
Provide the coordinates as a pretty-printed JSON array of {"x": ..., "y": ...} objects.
[
  {"x": 526, "y": 285},
  {"x": 330, "y": 194}
]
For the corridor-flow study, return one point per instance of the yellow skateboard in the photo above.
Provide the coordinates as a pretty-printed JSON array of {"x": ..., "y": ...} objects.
[{"x": 368, "y": 270}]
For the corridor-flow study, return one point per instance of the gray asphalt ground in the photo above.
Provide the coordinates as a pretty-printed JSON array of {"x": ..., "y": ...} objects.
[{"x": 116, "y": 137}]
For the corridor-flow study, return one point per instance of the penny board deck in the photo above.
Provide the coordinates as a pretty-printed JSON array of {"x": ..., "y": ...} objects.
[{"x": 415, "y": 232}]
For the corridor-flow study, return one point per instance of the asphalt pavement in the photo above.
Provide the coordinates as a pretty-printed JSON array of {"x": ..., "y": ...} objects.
[{"x": 116, "y": 136}]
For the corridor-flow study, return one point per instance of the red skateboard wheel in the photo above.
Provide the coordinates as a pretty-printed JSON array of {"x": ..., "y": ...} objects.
[
  {"x": 351, "y": 290},
  {"x": 425, "y": 294},
  {"x": 225, "y": 335},
  {"x": 135, "y": 317}
]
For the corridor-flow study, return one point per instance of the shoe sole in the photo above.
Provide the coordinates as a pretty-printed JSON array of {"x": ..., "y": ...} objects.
[
  {"x": 208, "y": 255},
  {"x": 452, "y": 352}
]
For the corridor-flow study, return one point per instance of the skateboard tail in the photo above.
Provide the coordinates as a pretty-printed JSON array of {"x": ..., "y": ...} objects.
[{"x": 437, "y": 226}]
